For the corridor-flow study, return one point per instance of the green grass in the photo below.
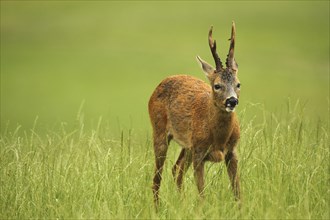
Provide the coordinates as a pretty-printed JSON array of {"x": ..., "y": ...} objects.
[{"x": 284, "y": 169}]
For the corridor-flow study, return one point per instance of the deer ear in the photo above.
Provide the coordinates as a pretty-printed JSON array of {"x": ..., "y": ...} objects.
[{"x": 207, "y": 68}]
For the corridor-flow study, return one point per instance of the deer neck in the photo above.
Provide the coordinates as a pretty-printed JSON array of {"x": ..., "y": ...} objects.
[
  {"x": 221, "y": 118},
  {"x": 221, "y": 124}
]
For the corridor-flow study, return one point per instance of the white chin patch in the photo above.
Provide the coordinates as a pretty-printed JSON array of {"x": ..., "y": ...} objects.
[{"x": 229, "y": 109}]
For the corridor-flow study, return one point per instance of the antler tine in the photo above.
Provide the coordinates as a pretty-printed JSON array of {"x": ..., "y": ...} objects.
[
  {"x": 213, "y": 47},
  {"x": 230, "y": 56}
]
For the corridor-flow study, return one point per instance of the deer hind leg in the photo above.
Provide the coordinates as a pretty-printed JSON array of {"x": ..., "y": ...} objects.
[
  {"x": 177, "y": 164},
  {"x": 160, "y": 149},
  {"x": 231, "y": 163},
  {"x": 181, "y": 166}
]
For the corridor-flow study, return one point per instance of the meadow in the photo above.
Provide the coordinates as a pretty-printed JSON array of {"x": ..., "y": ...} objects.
[
  {"x": 75, "y": 139},
  {"x": 284, "y": 171}
]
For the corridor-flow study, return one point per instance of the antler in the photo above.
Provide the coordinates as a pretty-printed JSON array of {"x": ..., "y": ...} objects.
[
  {"x": 230, "y": 61},
  {"x": 213, "y": 47}
]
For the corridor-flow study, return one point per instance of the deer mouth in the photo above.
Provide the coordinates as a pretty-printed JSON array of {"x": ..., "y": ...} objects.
[{"x": 230, "y": 108}]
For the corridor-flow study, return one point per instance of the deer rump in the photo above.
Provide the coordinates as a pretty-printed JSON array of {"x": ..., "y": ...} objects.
[{"x": 180, "y": 104}]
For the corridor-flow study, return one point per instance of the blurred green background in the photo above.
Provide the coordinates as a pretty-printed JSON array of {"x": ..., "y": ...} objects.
[{"x": 110, "y": 55}]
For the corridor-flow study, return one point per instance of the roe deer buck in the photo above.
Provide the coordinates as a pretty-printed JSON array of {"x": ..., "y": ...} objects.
[{"x": 200, "y": 118}]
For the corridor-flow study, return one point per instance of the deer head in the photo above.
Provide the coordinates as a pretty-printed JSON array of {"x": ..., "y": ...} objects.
[{"x": 224, "y": 82}]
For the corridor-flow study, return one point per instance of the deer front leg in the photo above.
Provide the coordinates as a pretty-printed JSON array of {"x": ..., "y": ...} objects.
[
  {"x": 198, "y": 164},
  {"x": 231, "y": 163}
]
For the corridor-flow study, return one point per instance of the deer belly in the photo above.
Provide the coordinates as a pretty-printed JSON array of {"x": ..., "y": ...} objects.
[
  {"x": 182, "y": 139},
  {"x": 180, "y": 128}
]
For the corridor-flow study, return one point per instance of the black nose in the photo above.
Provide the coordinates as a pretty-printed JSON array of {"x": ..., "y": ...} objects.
[{"x": 231, "y": 102}]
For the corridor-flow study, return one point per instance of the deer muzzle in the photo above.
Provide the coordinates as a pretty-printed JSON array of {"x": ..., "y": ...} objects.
[{"x": 231, "y": 104}]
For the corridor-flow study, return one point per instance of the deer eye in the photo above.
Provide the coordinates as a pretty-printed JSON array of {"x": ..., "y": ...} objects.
[
  {"x": 217, "y": 86},
  {"x": 238, "y": 85}
]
